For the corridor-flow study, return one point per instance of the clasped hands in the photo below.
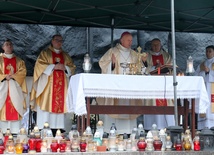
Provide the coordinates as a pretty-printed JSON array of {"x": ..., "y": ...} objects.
[
  {"x": 59, "y": 66},
  {"x": 8, "y": 77}
]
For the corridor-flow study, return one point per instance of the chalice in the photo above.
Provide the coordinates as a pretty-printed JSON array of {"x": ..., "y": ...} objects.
[{"x": 124, "y": 65}]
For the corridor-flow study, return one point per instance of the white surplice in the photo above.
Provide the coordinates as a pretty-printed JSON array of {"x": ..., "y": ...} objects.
[{"x": 207, "y": 121}]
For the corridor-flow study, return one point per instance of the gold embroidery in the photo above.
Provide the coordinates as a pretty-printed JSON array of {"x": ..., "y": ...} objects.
[
  {"x": 58, "y": 90},
  {"x": 10, "y": 68},
  {"x": 57, "y": 59}
]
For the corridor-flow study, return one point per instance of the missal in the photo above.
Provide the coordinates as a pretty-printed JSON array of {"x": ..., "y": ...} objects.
[{"x": 163, "y": 70}]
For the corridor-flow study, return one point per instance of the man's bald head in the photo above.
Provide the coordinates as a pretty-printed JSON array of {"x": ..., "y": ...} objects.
[{"x": 126, "y": 39}]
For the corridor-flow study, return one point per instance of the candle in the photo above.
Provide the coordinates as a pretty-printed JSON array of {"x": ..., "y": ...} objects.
[
  {"x": 54, "y": 145},
  {"x": 90, "y": 146},
  {"x": 2, "y": 149},
  {"x": 86, "y": 65},
  {"x": 190, "y": 66},
  {"x": 112, "y": 144},
  {"x": 120, "y": 145},
  {"x": 196, "y": 143},
  {"x": 25, "y": 147},
  {"x": 19, "y": 148},
  {"x": 68, "y": 146},
  {"x": 38, "y": 145},
  {"x": 62, "y": 145},
  {"x": 75, "y": 146},
  {"x": 44, "y": 146},
  {"x": 83, "y": 145},
  {"x": 158, "y": 70},
  {"x": 32, "y": 143}
]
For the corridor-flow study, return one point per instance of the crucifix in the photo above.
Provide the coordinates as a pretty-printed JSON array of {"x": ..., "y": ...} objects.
[{"x": 140, "y": 56}]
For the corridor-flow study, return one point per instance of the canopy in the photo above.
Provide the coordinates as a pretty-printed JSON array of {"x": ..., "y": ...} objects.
[{"x": 152, "y": 15}]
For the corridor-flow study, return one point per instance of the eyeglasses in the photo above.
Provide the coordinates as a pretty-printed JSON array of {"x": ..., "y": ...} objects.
[{"x": 59, "y": 41}]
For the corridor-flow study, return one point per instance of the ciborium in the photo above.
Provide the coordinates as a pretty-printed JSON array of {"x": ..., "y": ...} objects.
[{"x": 133, "y": 69}]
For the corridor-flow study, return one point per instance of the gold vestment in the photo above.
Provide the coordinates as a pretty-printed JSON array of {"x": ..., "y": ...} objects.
[
  {"x": 44, "y": 99},
  {"x": 19, "y": 77}
]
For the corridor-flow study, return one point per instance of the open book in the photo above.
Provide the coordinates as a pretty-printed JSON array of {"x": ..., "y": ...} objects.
[{"x": 164, "y": 69}]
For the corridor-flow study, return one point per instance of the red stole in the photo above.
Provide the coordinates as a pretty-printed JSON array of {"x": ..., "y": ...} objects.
[
  {"x": 155, "y": 59},
  {"x": 161, "y": 102},
  {"x": 58, "y": 85},
  {"x": 10, "y": 68}
]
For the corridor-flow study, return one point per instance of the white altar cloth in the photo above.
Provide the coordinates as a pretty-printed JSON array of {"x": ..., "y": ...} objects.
[{"x": 134, "y": 87}]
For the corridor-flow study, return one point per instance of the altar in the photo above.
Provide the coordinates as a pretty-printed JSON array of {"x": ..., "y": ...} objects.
[{"x": 134, "y": 87}]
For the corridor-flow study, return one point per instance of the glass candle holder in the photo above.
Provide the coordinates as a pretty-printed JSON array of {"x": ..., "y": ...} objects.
[
  {"x": 25, "y": 147},
  {"x": 168, "y": 143},
  {"x": 141, "y": 144},
  {"x": 62, "y": 145},
  {"x": 6, "y": 137},
  {"x": 2, "y": 149},
  {"x": 128, "y": 145},
  {"x": 22, "y": 135},
  {"x": 134, "y": 144},
  {"x": 112, "y": 144},
  {"x": 10, "y": 148},
  {"x": 95, "y": 146},
  {"x": 54, "y": 145},
  {"x": 120, "y": 145},
  {"x": 75, "y": 145},
  {"x": 49, "y": 141},
  {"x": 149, "y": 146},
  {"x": 38, "y": 145},
  {"x": 187, "y": 145},
  {"x": 105, "y": 142},
  {"x": 32, "y": 143},
  {"x": 83, "y": 145},
  {"x": 178, "y": 145},
  {"x": 68, "y": 146},
  {"x": 19, "y": 148},
  {"x": 197, "y": 146},
  {"x": 44, "y": 146},
  {"x": 157, "y": 143},
  {"x": 90, "y": 146}
]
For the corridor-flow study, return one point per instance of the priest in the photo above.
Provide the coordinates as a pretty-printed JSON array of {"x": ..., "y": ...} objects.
[
  {"x": 156, "y": 58},
  {"x": 206, "y": 70},
  {"x": 52, "y": 71},
  {"x": 13, "y": 89}
]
